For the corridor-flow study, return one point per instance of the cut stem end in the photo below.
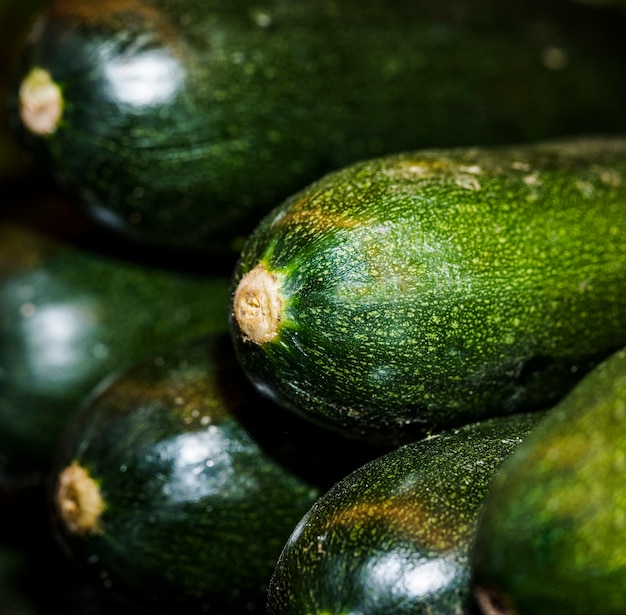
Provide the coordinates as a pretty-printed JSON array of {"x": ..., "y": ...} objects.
[
  {"x": 79, "y": 501},
  {"x": 257, "y": 305},
  {"x": 40, "y": 102}
]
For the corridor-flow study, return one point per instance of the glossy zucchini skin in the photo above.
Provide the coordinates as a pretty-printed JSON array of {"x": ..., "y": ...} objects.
[
  {"x": 182, "y": 122},
  {"x": 394, "y": 535},
  {"x": 409, "y": 293},
  {"x": 72, "y": 311},
  {"x": 201, "y": 479},
  {"x": 550, "y": 537}
]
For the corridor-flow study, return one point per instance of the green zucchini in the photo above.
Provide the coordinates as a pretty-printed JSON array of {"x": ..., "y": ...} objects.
[
  {"x": 74, "y": 308},
  {"x": 178, "y": 484},
  {"x": 394, "y": 535},
  {"x": 181, "y": 122},
  {"x": 405, "y": 294},
  {"x": 550, "y": 537}
]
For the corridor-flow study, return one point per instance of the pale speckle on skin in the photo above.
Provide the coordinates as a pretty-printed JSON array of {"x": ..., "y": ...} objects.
[
  {"x": 28, "y": 310},
  {"x": 610, "y": 177},
  {"x": 520, "y": 165},
  {"x": 555, "y": 58},
  {"x": 261, "y": 18},
  {"x": 472, "y": 169},
  {"x": 585, "y": 187},
  {"x": 467, "y": 182}
]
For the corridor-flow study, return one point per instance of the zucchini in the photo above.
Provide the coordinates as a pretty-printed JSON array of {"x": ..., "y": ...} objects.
[
  {"x": 550, "y": 536},
  {"x": 178, "y": 484},
  {"x": 181, "y": 122},
  {"x": 74, "y": 308},
  {"x": 408, "y": 293},
  {"x": 394, "y": 535}
]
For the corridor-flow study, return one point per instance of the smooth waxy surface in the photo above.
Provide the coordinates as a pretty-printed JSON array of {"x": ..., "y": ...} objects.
[
  {"x": 184, "y": 121},
  {"x": 437, "y": 287},
  {"x": 201, "y": 481},
  {"x": 393, "y": 536},
  {"x": 551, "y": 536}
]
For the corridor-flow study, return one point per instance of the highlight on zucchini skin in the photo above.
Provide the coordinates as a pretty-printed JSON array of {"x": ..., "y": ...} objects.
[
  {"x": 394, "y": 535},
  {"x": 438, "y": 287},
  {"x": 181, "y": 123}
]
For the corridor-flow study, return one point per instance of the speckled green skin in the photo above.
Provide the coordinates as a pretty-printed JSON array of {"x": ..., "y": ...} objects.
[
  {"x": 186, "y": 121},
  {"x": 393, "y": 536},
  {"x": 202, "y": 480},
  {"x": 434, "y": 288},
  {"x": 71, "y": 314},
  {"x": 551, "y": 537}
]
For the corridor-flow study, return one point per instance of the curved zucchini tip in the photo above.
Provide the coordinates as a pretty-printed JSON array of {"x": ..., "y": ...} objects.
[
  {"x": 258, "y": 305},
  {"x": 40, "y": 102},
  {"x": 79, "y": 501}
]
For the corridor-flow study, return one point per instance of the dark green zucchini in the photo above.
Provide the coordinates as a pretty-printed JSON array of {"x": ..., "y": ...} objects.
[
  {"x": 550, "y": 538},
  {"x": 71, "y": 313},
  {"x": 405, "y": 294},
  {"x": 177, "y": 484},
  {"x": 181, "y": 122},
  {"x": 394, "y": 536}
]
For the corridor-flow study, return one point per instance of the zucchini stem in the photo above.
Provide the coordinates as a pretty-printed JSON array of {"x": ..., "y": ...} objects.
[
  {"x": 40, "y": 102},
  {"x": 79, "y": 501},
  {"x": 257, "y": 305}
]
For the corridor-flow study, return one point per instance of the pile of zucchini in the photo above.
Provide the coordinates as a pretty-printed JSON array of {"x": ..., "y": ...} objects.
[{"x": 313, "y": 308}]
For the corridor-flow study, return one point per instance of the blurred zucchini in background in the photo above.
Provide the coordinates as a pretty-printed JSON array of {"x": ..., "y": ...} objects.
[
  {"x": 75, "y": 306},
  {"x": 405, "y": 294},
  {"x": 177, "y": 484},
  {"x": 179, "y": 122}
]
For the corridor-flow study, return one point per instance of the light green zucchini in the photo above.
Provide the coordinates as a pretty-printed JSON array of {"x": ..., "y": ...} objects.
[{"x": 408, "y": 293}]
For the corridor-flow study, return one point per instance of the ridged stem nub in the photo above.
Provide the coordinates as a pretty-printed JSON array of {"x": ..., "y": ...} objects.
[
  {"x": 257, "y": 305},
  {"x": 40, "y": 102},
  {"x": 79, "y": 501}
]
